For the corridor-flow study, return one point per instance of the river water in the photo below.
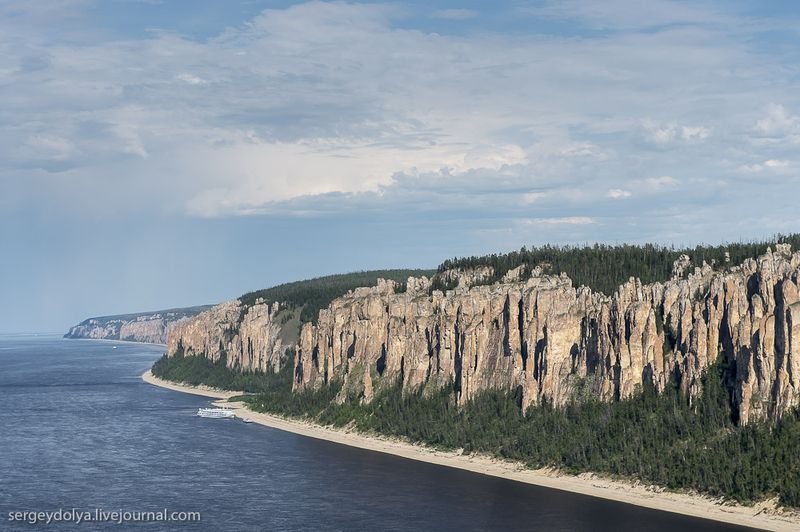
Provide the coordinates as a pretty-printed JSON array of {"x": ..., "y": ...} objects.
[{"x": 80, "y": 430}]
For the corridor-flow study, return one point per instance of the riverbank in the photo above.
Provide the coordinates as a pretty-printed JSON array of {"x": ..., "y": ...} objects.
[
  {"x": 764, "y": 515},
  {"x": 112, "y": 340},
  {"x": 127, "y": 341}
]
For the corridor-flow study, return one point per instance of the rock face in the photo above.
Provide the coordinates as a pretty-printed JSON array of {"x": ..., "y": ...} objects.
[
  {"x": 147, "y": 327},
  {"x": 247, "y": 336},
  {"x": 546, "y": 339}
]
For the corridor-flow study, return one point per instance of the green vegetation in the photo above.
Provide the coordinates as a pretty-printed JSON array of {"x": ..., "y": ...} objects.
[
  {"x": 277, "y": 386},
  {"x": 315, "y": 294},
  {"x": 658, "y": 438},
  {"x": 604, "y": 267},
  {"x": 195, "y": 370}
]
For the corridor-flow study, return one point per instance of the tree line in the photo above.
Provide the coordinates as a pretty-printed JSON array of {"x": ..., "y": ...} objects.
[{"x": 604, "y": 267}]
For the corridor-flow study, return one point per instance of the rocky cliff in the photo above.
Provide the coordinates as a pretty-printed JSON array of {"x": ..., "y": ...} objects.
[
  {"x": 147, "y": 327},
  {"x": 248, "y": 337},
  {"x": 548, "y": 340}
]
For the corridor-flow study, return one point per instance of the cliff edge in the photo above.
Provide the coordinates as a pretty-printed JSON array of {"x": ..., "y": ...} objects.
[
  {"x": 548, "y": 340},
  {"x": 146, "y": 327}
]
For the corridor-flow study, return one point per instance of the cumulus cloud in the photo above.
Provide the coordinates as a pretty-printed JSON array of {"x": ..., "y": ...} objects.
[
  {"x": 533, "y": 197},
  {"x": 664, "y": 135},
  {"x": 191, "y": 79},
  {"x": 777, "y": 122},
  {"x": 618, "y": 193},
  {"x": 768, "y": 165},
  {"x": 775, "y": 163},
  {"x": 779, "y": 127}
]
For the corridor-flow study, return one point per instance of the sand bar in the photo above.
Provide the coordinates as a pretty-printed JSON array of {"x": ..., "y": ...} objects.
[{"x": 764, "y": 515}]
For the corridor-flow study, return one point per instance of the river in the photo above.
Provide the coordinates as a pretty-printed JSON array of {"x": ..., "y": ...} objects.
[{"x": 80, "y": 430}]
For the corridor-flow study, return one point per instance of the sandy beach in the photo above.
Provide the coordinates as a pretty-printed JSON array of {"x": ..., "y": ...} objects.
[{"x": 764, "y": 515}]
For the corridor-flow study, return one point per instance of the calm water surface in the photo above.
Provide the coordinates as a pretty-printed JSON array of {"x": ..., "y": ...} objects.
[{"x": 79, "y": 429}]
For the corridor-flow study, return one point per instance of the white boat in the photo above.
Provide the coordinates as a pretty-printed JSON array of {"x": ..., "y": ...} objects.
[{"x": 217, "y": 413}]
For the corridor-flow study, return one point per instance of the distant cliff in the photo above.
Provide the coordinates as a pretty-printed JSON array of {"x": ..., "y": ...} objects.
[{"x": 146, "y": 327}]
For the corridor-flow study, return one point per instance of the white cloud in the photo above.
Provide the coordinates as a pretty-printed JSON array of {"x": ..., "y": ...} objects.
[
  {"x": 533, "y": 197},
  {"x": 672, "y": 133},
  {"x": 257, "y": 174},
  {"x": 774, "y": 163},
  {"x": 769, "y": 164},
  {"x": 694, "y": 134},
  {"x": 751, "y": 168},
  {"x": 777, "y": 122},
  {"x": 618, "y": 193},
  {"x": 191, "y": 79}
]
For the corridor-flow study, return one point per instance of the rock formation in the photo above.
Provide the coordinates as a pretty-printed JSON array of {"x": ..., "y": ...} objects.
[
  {"x": 147, "y": 327},
  {"x": 247, "y": 336},
  {"x": 546, "y": 339}
]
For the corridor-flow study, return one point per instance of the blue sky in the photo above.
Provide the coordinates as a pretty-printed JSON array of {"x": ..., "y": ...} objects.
[{"x": 159, "y": 154}]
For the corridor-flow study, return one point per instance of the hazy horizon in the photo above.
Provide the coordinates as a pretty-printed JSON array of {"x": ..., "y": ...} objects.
[{"x": 170, "y": 154}]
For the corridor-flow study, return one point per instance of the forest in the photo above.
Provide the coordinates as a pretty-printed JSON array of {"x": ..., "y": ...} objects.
[
  {"x": 604, "y": 267},
  {"x": 657, "y": 438}
]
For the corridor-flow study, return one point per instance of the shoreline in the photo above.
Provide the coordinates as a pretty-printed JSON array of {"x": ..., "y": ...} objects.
[
  {"x": 764, "y": 515},
  {"x": 113, "y": 340}
]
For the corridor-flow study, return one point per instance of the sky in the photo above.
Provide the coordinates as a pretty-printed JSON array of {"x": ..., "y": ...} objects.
[{"x": 156, "y": 154}]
